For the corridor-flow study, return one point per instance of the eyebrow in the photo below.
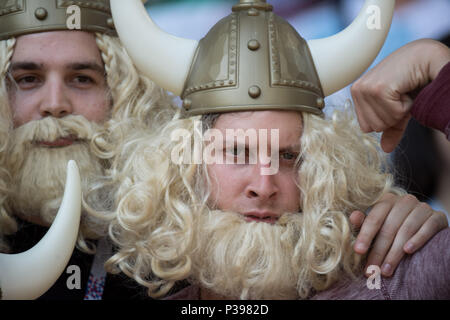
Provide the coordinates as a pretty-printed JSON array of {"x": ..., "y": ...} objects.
[
  {"x": 292, "y": 148},
  {"x": 25, "y": 66},
  {"x": 87, "y": 66},
  {"x": 77, "y": 66},
  {"x": 296, "y": 147}
]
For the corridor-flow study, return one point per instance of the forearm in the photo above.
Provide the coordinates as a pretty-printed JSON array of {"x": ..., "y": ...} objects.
[{"x": 431, "y": 108}]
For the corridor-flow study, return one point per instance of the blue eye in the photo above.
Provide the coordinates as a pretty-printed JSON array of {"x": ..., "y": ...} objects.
[
  {"x": 235, "y": 151},
  {"x": 288, "y": 156}
]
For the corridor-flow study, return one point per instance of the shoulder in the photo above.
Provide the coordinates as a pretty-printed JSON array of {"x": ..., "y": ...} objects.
[
  {"x": 424, "y": 274},
  {"x": 435, "y": 250}
]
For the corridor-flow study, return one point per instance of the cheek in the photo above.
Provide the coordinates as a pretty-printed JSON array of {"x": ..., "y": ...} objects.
[
  {"x": 225, "y": 185},
  {"x": 23, "y": 109},
  {"x": 101, "y": 113},
  {"x": 94, "y": 107},
  {"x": 290, "y": 194}
]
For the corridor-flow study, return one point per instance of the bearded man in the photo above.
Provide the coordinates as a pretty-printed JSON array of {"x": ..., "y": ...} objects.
[
  {"x": 238, "y": 229},
  {"x": 65, "y": 95}
]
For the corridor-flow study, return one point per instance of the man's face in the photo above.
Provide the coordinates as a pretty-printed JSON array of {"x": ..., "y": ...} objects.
[
  {"x": 58, "y": 74},
  {"x": 242, "y": 188},
  {"x": 59, "y": 100}
]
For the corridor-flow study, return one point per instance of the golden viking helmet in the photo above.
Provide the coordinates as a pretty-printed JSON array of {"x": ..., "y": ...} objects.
[
  {"x": 20, "y": 17},
  {"x": 252, "y": 59}
]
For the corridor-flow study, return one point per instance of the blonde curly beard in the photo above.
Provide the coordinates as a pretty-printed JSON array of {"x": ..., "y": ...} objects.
[
  {"x": 248, "y": 260},
  {"x": 39, "y": 173},
  {"x": 164, "y": 234}
]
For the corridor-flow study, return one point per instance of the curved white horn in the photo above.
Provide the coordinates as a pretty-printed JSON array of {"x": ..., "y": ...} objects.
[
  {"x": 164, "y": 58},
  {"x": 342, "y": 58},
  {"x": 30, "y": 274}
]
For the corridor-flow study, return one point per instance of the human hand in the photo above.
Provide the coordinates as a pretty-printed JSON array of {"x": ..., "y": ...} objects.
[
  {"x": 394, "y": 226},
  {"x": 381, "y": 97}
]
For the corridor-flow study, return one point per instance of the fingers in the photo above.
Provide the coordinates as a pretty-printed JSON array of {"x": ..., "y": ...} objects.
[
  {"x": 373, "y": 223},
  {"x": 388, "y": 232},
  {"x": 363, "y": 97},
  {"x": 380, "y": 95},
  {"x": 408, "y": 228},
  {"x": 380, "y": 108},
  {"x": 435, "y": 223},
  {"x": 359, "y": 113},
  {"x": 357, "y": 219}
]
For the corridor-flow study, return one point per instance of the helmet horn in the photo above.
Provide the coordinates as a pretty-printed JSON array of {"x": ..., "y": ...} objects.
[
  {"x": 342, "y": 58},
  {"x": 164, "y": 58},
  {"x": 30, "y": 274}
]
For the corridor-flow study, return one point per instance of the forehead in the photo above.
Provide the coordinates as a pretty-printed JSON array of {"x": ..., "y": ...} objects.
[
  {"x": 57, "y": 47},
  {"x": 289, "y": 123}
]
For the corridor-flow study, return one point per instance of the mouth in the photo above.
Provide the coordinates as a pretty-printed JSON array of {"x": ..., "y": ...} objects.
[
  {"x": 58, "y": 143},
  {"x": 255, "y": 216}
]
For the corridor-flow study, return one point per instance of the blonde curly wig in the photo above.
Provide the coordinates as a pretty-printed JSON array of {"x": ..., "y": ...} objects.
[
  {"x": 7, "y": 223},
  {"x": 160, "y": 205}
]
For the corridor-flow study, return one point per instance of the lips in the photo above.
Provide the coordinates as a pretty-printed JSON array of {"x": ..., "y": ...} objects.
[
  {"x": 59, "y": 143},
  {"x": 257, "y": 216}
]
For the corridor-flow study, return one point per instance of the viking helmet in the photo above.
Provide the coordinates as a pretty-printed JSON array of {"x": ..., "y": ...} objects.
[
  {"x": 19, "y": 17},
  {"x": 252, "y": 59}
]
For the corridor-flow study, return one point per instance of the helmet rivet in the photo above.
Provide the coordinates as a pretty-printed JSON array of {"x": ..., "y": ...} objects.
[
  {"x": 41, "y": 13},
  {"x": 320, "y": 103},
  {"x": 254, "y": 92},
  {"x": 187, "y": 104},
  {"x": 254, "y": 45},
  {"x": 253, "y": 12}
]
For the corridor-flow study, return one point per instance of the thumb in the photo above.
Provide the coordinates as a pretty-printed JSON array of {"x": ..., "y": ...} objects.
[{"x": 392, "y": 136}]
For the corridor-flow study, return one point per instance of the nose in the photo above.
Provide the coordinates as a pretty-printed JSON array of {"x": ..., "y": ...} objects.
[
  {"x": 262, "y": 187},
  {"x": 56, "y": 102}
]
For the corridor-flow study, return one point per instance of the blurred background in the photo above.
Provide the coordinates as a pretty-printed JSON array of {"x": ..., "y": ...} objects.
[{"x": 421, "y": 163}]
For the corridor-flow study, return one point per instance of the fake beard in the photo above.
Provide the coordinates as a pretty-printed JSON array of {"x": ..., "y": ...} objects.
[
  {"x": 39, "y": 173},
  {"x": 248, "y": 260}
]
